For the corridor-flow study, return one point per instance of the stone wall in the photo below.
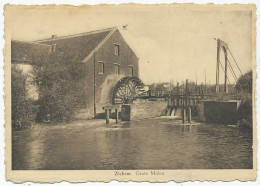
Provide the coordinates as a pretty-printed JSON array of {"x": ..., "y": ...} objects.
[
  {"x": 144, "y": 108},
  {"x": 201, "y": 112},
  {"x": 224, "y": 112}
]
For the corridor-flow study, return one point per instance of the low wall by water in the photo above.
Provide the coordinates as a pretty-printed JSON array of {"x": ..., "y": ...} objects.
[
  {"x": 143, "y": 108},
  {"x": 225, "y": 112},
  {"x": 201, "y": 113}
]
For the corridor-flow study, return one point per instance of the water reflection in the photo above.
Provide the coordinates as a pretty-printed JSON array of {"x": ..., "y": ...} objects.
[{"x": 145, "y": 144}]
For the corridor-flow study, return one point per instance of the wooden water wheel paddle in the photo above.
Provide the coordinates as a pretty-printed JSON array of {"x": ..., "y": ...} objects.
[{"x": 127, "y": 89}]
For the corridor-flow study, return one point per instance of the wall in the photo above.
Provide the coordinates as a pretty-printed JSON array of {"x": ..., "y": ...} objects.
[
  {"x": 143, "y": 108},
  {"x": 201, "y": 112},
  {"x": 223, "y": 112},
  {"x": 105, "y": 82}
]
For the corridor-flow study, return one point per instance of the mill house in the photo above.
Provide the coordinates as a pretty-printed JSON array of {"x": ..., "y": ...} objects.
[{"x": 110, "y": 65}]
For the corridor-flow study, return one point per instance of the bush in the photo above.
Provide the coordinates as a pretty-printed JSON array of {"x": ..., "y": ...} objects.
[
  {"x": 23, "y": 114},
  {"x": 245, "y": 110},
  {"x": 245, "y": 115},
  {"x": 245, "y": 83},
  {"x": 61, "y": 85}
]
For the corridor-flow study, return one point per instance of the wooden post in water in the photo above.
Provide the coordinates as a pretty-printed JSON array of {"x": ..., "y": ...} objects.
[
  {"x": 116, "y": 110},
  {"x": 107, "y": 116},
  {"x": 189, "y": 114},
  {"x": 183, "y": 115},
  {"x": 186, "y": 92},
  {"x": 183, "y": 111}
]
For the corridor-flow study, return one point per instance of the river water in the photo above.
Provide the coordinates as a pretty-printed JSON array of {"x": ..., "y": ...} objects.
[{"x": 159, "y": 143}]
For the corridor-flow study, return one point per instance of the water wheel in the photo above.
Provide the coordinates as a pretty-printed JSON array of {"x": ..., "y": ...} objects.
[{"x": 127, "y": 89}]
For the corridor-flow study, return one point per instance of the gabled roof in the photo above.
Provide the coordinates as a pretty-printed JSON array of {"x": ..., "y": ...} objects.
[
  {"x": 77, "y": 47},
  {"x": 24, "y": 52},
  {"x": 80, "y": 46}
]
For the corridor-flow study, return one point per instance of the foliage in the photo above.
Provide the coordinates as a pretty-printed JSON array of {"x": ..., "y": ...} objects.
[
  {"x": 245, "y": 82},
  {"x": 61, "y": 86},
  {"x": 245, "y": 114},
  {"x": 23, "y": 114},
  {"x": 245, "y": 110}
]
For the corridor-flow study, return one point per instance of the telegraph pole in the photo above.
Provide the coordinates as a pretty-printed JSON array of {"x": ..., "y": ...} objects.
[
  {"x": 217, "y": 67},
  {"x": 205, "y": 80},
  {"x": 196, "y": 90}
]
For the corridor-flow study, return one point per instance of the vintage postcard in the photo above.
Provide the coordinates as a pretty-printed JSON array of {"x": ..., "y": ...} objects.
[{"x": 130, "y": 92}]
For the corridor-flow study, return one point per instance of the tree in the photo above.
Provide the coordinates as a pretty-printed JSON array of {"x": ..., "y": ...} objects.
[
  {"x": 23, "y": 114},
  {"x": 60, "y": 81},
  {"x": 245, "y": 109},
  {"x": 245, "y": 82}
]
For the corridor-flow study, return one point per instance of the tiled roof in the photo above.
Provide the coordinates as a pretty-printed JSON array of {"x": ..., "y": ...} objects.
[
  {"x": 78, "y": 47},
  {"x": 25, "y": 52}
]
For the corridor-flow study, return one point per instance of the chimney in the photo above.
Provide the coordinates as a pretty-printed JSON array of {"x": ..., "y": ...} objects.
[{"x": 54, "y": 36}]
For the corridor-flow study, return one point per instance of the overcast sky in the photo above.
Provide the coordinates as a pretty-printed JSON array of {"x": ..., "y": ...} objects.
[{"x": 171, "y": 42}]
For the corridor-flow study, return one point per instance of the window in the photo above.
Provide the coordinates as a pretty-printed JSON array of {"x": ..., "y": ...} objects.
[
  {"x": 117, "y": 69},
  {"x": 131, "y": 70},
  {"x": 101, "y": 66},
  {"x": 116, "y": 51}
]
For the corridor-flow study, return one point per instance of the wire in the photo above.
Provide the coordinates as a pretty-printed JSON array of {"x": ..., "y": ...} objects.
[
  {"x": 224, "y": 71},
  {"x": 235, "y": 77},
  {"x": 235, "y": 60},
  {"x": 232, "y": 70}
]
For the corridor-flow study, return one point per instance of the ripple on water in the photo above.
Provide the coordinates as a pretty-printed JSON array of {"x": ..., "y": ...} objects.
[{"x": 159, "y": 143}]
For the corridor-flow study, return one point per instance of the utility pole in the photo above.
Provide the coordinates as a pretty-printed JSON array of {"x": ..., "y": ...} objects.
[
  {"x": 205, "y": 80},
  {"x": 178, "y": 92},
  {"x": 170, "y": 85},
  {"x": 196, "y": 91},
  {"x": 217, "y": 67}
]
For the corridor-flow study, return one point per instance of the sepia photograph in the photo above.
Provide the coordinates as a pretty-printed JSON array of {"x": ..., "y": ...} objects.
[{"x": 139, "y": 90}]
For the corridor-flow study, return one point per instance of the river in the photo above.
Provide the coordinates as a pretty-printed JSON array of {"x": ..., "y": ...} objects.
[{"x": 158, "y": 143}]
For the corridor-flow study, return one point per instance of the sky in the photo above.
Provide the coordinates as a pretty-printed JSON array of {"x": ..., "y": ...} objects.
[{"x": 171, "y": 42}]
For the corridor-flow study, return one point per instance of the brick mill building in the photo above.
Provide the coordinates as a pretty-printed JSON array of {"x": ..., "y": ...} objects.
[{"x": 110, "y": 64}]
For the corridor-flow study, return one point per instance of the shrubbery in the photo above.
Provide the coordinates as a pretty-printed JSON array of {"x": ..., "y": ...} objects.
[
  {"x": 244, "y": 87},
  {"x": 245, "y": 115},
  {"x": 61, "y": 85},
  {"x": 23, "y": 110},
  {"x": 245, "y": 82}
]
